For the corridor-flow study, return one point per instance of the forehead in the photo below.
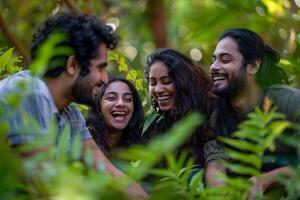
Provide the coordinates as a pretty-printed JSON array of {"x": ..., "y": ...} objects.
[
  {"x": 158, "y": 68},
  {"x": 227, "y": 45},
  {"x": 118, "y": 87},
  {"x": 102, "y": 52}
]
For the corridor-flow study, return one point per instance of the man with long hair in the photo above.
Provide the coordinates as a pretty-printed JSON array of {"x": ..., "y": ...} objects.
[{"x": 244, "y": 71}]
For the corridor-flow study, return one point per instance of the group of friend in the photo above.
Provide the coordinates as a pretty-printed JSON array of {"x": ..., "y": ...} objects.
[{"x": 244, "y": 72}]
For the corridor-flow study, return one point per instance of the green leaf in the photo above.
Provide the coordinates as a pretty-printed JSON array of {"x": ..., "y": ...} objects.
[
  {"x": 243, "y": 145},
  {"x": 196, "y": 184},
  {"x": 161, "y": 172},
  {"x": 139, "y": 84},
  {"x": 76, "y": 147},
  {"x": 122, "y": 64},
  {"x": 298, "y": 38},
  {"x": 132, "y": 75},
  {"x": 4, "y": 58},
  {"x": 88, "y": 158},
  {"x": 242, "y": 169},
  {"x": 245, "y": 158},
  {"x": 149, "y": 119},
  {"x": 47, "y": 51},
  {"x": 63, "y": 144},
  {"x": 135, "y": 164}
]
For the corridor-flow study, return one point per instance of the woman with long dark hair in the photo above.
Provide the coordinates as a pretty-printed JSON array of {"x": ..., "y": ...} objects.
[
  {"x": 116, "y": 118},
  {"x": 176, "y": 87}
]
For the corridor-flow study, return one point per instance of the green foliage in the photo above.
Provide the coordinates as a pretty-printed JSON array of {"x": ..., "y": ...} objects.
[
  {"x": 8, "y": 63},
  {"x": 130, "y": 72},
  {"x": 246, "y": 149},
  {"x": 191, "y": 24},
  {"x": 47, "y": 52},
  {"x": 158, "y": 147},
  {"x": 179, "y": 178}
]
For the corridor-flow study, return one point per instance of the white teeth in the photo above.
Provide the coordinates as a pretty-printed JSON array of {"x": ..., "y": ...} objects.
[
  {"x": 119, "y": 112},
  {"x": 217, "y": 77},
  {"x": 163, "y": 98}
]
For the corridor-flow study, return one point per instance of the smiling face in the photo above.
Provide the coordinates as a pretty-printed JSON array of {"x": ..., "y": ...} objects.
[
  {"x": 117, "y": 105},
  {"x": 161, "y": 86},
  {"x": 228, "y": 71},
  {"x": 85, "y": 87}
]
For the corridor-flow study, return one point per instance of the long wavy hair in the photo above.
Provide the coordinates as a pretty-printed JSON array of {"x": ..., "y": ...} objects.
[
  {"x": 191, "y": 82},
  {"x": 131, "y": 133},
  {"x": 192, "y": 86}
]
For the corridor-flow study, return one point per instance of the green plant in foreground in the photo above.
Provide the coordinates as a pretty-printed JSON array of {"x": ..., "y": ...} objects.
[{"x": 246, "y": 150}]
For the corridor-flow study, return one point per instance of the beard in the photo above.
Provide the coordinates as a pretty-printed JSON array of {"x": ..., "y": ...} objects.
[
  {"x": 234, "y": 86},
  {"x": 82, "y": 91}
]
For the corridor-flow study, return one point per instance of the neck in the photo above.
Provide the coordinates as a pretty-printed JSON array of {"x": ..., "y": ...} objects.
[
  {"x": 247, "y": 99},
  {"x": 113, "y": 138},
  {"x": 58, "y": 92}
]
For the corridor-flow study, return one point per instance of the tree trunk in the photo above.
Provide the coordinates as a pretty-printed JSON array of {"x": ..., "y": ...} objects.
[{"x": 158, "y": 22}]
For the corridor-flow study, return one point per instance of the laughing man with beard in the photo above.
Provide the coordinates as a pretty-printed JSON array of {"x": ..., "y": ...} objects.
[
  {"x": 72, "y": 77},
  {"x": 244, "y": 72}
]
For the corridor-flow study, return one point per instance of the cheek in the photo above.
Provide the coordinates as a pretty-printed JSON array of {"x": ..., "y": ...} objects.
[
  {"x": 131, "y": 108},
  {"x": 152, "y": 90},
  {"x": 104, "y": 109},
  {"x": 172, "y": 89}
]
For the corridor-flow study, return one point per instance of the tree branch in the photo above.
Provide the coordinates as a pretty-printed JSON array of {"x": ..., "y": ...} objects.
[
  {"x": 71, "y": 4},
  {"x": 13, "y": 40}
]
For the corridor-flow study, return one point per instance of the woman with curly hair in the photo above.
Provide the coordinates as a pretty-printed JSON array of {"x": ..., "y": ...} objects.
[
  {"x": 176, "y": 87},
  {"x": 116, "y": 118}
]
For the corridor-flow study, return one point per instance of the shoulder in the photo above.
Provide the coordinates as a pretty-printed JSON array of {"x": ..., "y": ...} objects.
[
  {"x": 278, "y": 90},
  {"x": 32, "y": 92},
  {"x": 76, "y": 121},
  {"x": 283, "y": 94},
  {"x": 72, "y": 112},
  {"x": 286, "y": 98}
]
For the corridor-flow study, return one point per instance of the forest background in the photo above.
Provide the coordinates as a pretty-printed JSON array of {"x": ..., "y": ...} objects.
[{"x": 190, "y": 26}]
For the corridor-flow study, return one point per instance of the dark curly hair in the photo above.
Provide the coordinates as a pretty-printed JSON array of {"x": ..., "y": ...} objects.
[
  {"x": 132, "y": 132},
  {"x": 83, "y": 34},
  {"x": 192, "y": 86}
]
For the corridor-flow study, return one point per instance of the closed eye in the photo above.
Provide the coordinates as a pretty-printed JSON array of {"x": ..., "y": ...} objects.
[{"x": 226, "y": 58}]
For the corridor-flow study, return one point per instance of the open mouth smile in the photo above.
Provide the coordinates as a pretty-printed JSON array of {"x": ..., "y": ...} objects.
[
  {"x": 119, "y": 115},
  {"x": 218, "y": 77},
  {"x": 164, "y": 98}
]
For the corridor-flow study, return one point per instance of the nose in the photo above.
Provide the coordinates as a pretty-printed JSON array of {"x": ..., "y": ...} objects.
[
  {"x": 104, "y": 77},
  {"x": 215, "y": 66},
  {"x": 159, "y": 88},
  {"x": 120, "y": 102}
]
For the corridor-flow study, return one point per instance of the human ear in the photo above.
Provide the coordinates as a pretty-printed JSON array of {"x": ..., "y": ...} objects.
[
  {"x": 254, "y": 67},
  {"x": 72, "y": 65}
]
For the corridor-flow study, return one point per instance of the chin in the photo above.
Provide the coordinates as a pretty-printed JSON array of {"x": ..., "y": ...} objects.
[
  {"x": 119, "y": 127},
  {"x": 165, "y": 109}
]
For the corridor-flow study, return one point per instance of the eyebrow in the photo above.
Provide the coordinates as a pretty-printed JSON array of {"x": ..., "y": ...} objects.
[
  {"x": 115, "y": 93},
  {"x": 104, "y": 64},
  {"x": 222, "y": 54},
  {"x": 163, "y": 77}
]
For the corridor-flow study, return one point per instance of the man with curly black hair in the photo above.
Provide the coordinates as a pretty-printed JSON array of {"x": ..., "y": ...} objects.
[{"x": 73, "y": 74}]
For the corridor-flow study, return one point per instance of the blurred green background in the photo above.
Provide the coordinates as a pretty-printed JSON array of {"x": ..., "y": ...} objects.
[{"x": 190, "y": 26}]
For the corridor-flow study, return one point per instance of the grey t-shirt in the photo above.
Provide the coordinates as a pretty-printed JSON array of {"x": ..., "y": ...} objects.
[
  {"x": 287, "y": 100},
  {"x": 37, "y": 104}
]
